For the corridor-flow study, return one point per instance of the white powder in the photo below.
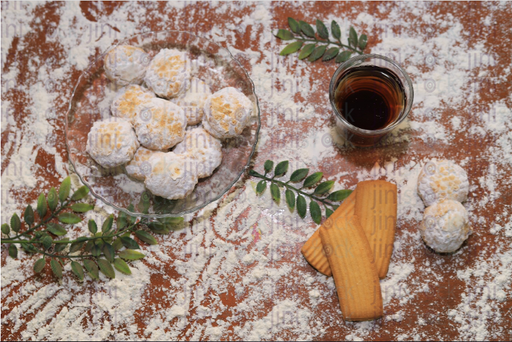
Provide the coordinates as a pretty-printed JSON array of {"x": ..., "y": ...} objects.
[{"x": 235, "y": 271}]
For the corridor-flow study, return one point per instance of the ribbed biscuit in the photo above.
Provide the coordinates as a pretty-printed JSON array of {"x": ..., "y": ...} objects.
[
  {"x": 160, "y": 124},
  {"x": 203, "y": 148},
  {"x": 168, "y": 74},
  {"x": 112, "y": 142},
  {"x": 226, "y": 113},
  {"x": 126, "y": 64},
  {"x": 129, "y": 101}
]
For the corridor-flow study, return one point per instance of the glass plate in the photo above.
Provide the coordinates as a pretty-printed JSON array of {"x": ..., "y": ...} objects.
[{"x": 91, "y": 100}]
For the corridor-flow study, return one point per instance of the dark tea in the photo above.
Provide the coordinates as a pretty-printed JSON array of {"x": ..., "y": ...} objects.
[{"x": 369, "y": 97}]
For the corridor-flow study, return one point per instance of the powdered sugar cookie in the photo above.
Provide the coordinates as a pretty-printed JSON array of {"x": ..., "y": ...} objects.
[
  {"x": 129, "y": 101},
  {"x": 139, "y": 166},
  {"x": 204, "y": 148},
  {"x": 192, "y": 101},
  {"x": 442, "y": 179},
  {"x": 172, "y": 176},
  {"x": 445, "y": 226},
  {"x": 112, "y": 142},
  {"x": 227, "y": 113},
  {"x": 168, "y": 73},
  {"x": 160, "y": 124},
  {"x": 126, "y": 64}
]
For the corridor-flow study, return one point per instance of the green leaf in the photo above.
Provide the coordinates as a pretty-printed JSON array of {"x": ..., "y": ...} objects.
[
  {"x": 129, "y": 243},
  {"x": 59, "y": 247},
  {"x": 146, "y": 237},
  {"x": 122, "y": 220},
  {"x": 80, "y": 193},
  {"x": 144, "y": 202},
  {"x": 269, "y": 164},
  {"x": 294, "y": 25},
  {"x": 93, "y": 228},
  {"x": 317, "y": 53},
  {"x": 107, "y": 224},
  {"x": 335, "y": 29},
  {"x": 56, "y": 229},
  {"x": 321, "y": 29},
  {"x": 96, "y": 250},
  {"x": 352, "y": 37},
  {"x": 281, "y": 168},
  {"x": 53, "y": 199},
  {"x": 290, "y": 199},
  {"x": 330, "y": 54},
  {"x": 5, "y": 229},
  {"x": 39, "y": 265},
  {"x": 306, "y": 50},
  {"x": 56, "y": 268},
  {"x": 339, "y": 195},
  {"x": 75, "y": 246},
  {"x": 89, "y": 245},
  {"x": 363, "y": 39},
  {"x": 69, "y": 218},
  {"x": 313, "y": 179},
  {"x": 328, "y": 212},
  {"x": 77, "y": 270},
  {"x": 28, "y": 248},
  {"x": 275, "y": 192},
  {"x": 13, "y": 251},
  {"x": 307, "y": 29},
  {"x": 122, "y": 266},
  {"x": 130, "y": 254},
  {"x": 301, "y": 206},
  {"x": 299, "y": 175},
  {"x": 29, "y": 215},
  {"x": 47, "y": 241},
  {"x": 92, "y": 269},
  {"x": 109, "y": 252},
  {"x": 117, "y": 244},
  {"x": 291, "y": 48},
  {"x": 324, "y": 188},
  {"x": 284, "y": 35},
  {"x": 316, "y": 213},
  {"x": 171, "y": 220},
  {"x": 262, "y": 185},
  {"x": 82, "y": 207},
  {"x": 15, "y": 222},
  {"x": 131, "y": 219},
  {"x": 158, "y": 228},
  {"x": 42, "y": 208},
  {"x": 64, "y": 189},
  {"x": 344, "y": 56}
]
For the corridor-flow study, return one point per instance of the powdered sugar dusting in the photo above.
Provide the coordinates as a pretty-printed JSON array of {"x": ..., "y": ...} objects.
[{"x": 235, "y": 271}]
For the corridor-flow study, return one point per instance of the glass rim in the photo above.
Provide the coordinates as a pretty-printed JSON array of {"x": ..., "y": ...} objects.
[{"x": 406, "y": 109}]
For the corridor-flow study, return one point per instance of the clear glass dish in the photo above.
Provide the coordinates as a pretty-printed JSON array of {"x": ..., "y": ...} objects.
[{"x": 91, "y": 100}]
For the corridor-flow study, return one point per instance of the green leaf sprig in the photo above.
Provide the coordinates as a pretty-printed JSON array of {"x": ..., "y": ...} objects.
[
  {"x": 103, "y": 250},
  {"x": 296, "y": 196},
  {"x": 316, "y": 45}
]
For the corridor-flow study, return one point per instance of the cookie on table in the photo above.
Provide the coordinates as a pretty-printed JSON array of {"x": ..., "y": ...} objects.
[
  {"x": 205, "y": 149},
  {"x": 192, "y": 101},
  {"x": 168, "y": 74},
  {"x": 126, "y": 64},
  {"x": 129, "y": 101},
  {"x": 442, "y": 179},
  {"x": 172, "y": 176},
  {"x": 139, "y": 166},
  {"x": 226, "y": 113},
  {"x": 160, "y": 124},
  {"x": 112, "y": 142},
  {"x": 445, "y": 226}
]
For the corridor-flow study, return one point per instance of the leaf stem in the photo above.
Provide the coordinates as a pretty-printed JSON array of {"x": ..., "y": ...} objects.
[
  {"x": 328, "y": 41},
  {"x": 259, "y": 175}
]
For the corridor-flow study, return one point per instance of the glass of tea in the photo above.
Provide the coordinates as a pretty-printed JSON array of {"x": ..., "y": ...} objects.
[{"x": 370, "y": 95}]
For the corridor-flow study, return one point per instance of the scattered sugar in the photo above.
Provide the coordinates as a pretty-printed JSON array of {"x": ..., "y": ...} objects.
[{"x": 245, "y": 247}]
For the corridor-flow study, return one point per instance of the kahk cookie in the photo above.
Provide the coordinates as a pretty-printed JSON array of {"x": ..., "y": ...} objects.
[
  {"x": 129, "y": 101},
  {"x": 168, "y": 74},
  {"x": 126, "y": 64}
]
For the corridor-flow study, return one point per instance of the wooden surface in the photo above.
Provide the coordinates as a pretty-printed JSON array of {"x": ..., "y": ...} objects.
[{"x": 35, "y": 47}]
